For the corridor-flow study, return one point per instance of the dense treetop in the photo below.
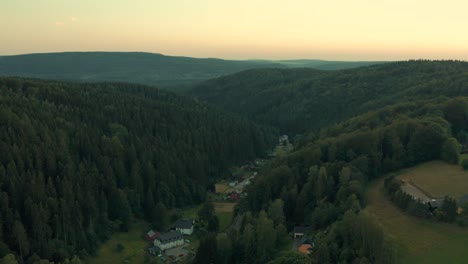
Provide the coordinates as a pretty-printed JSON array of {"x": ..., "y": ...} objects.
[{"x": 79, "y": 160}]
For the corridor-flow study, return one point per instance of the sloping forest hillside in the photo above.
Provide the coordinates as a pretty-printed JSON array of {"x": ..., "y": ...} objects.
[
  {"x": 78, "y": 161},
  {"x": 322, "y": 183},
  {"x": 299, "y": 100}
]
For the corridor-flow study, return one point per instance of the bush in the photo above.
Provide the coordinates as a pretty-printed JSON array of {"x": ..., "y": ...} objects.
[
  {"x": 465, "y": 164},
  {"x": 119, "y": 248}
]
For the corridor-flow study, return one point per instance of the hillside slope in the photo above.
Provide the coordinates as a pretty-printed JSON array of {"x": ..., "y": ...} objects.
[
  {"x": 77, "y": 161},
  {"x": 297, "y": 100}
]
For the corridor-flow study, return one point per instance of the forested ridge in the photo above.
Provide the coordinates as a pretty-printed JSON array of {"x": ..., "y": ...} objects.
[
  {"x": 79, "y": 161},
  {"x": 172, "y": 72},
  {"x": 322, "y": 183},
  {"x": 357, "y": 125},
  {"x": 299, "y": 100}
]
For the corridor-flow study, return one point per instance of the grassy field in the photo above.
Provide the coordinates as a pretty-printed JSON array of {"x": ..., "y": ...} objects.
[
  {"x": 133, "y": 243},
  {"x": 224, "y": 220},
  {"x": 438, "y": 179},
  {"x": 419, "y": 240},
  {"x": 224, "y": 211},
  {"x": 222, "y": 187},
  {"x": 462, "y": 157},
  {"x": 224, "y": 207}
]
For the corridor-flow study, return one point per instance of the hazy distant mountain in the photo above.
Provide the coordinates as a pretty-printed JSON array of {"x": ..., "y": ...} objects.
[{"x": 139, "y": 67}]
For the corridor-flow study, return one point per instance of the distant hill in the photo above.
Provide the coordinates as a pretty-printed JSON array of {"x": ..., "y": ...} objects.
[
  {"x": 326, "y": 65},
  {"x": 297, "y": 100},
  {"x": 139, "y": 67}
]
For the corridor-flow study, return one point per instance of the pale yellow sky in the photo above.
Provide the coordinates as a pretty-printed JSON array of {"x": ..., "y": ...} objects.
[{"x": 240, "y": 29}]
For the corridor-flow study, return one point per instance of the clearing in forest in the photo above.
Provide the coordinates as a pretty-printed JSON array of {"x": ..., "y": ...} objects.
[
  {"x": 419, "y": 240},
  {"x": 224, "y": 207},
  {"x": 438, "y": 178}
]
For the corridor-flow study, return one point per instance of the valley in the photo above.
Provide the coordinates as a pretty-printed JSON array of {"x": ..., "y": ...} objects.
[
  {"x": 130, "y": 158},
  {"x": 233, "y": 132}
]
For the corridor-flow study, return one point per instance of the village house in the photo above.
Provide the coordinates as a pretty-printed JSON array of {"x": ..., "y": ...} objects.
[
  {"x": 300, "y": 231},
  {"x": 154, "y": 250},
  {"x": 234, "y": 196},
  {"x": 152, "y": 235},
  {"x": 305, "y": 249},
  {"x": 169, "y": 240},
  {"x": 233, "y": 183},
  {"x": 185, "y": 226}
]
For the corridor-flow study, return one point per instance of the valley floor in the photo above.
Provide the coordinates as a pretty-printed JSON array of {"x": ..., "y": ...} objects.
[{"x": 420, "y": 240}]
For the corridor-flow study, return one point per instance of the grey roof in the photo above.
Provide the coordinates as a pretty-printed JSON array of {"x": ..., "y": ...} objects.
[
  {"x": 436, "y": 202},
  {"x": 183, "y": 223},
  {"x": 170, "y": 236},
  {"x": 301, "y": 229}
]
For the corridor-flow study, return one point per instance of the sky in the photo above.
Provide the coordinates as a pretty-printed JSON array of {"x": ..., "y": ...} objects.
[{"x": 240, "y": 29}]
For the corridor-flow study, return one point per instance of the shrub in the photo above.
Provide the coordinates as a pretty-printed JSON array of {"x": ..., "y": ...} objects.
[
  {"x": 465, "y": 164},
  {"x": 119, "y": 248}
]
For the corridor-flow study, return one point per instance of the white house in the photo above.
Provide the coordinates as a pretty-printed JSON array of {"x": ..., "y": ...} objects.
[
  {"x": 184, "y": 226},
  {"x": 169, "y": 240},
  {"x": 233, "y": 183}
]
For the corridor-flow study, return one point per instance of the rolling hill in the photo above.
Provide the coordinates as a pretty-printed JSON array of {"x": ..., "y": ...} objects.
[
  {"x": 298, "y": 100},
  {"x": 139, "y": 67}
]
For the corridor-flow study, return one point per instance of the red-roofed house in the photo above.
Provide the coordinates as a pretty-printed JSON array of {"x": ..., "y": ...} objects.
[{"x": 151, "y": 235}]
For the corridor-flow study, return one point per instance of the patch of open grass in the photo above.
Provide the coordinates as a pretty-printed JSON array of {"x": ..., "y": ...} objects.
[
  {"x": 225, "y": 219},
  {"x": 191, "y": 212},
  {"x": 134, "y": 246},
  {"x": 439, "y": 178},
  {"x": 420, "y": 240},
  {"x": 462, "y": 157}
]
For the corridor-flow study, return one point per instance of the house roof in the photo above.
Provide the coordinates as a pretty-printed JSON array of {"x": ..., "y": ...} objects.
[
  {"x": 301, "y": 229},
  {"x": 436, "y": 202},
  {"x": 155, "y": 249},
  {"x": 170, "y": 236},
  {"x": 152, "y": 234},
  {"x": 306, "y": 240},
  {"x": 305, "y": 248},
  {"x": 183, "y": 223}
]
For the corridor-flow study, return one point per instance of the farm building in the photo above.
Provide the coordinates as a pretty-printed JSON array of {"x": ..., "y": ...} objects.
[
  {"x": 169, "y": 240},
  {"x": 185, "y": 226}
]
